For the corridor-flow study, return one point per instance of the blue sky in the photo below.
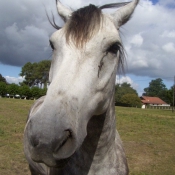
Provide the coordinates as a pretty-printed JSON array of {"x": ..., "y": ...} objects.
[
  {"x": 155, "y": 1},
  {"x": 149, "y": 39},
  {"x": 7, "y": 70}
]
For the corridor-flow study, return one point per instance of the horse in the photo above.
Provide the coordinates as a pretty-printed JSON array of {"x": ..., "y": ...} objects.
[{"x": 72, "y": 129}]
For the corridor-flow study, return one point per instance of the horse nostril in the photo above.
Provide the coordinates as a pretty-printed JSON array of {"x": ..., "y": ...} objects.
[
  {"x": 67, "y": 135},
  {"x": 34, "y": 141}
]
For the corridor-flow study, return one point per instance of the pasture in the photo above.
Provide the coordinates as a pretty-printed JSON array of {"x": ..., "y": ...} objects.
[{"x": 148, "y": 137}]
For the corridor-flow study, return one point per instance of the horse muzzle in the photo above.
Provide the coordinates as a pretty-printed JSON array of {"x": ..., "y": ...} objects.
[{"x": 53, "y": 150}]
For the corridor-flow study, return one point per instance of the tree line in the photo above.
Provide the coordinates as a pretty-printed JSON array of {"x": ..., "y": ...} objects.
[
  {"x": 157, "y": 88},
  {"x": 36, "y": 80},
  {"x": 34, "y": 85},
  {"x": 127, "y": 96},
  {"x": 21, "y": 91}
]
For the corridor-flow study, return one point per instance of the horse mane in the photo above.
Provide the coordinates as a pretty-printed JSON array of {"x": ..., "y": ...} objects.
[{"x": 83, "y": 24}]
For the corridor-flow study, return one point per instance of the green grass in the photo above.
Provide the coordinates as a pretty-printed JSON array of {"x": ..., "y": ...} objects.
[
  {"x": 13, "y": 114},
  {"x": 148, "y": 137}
]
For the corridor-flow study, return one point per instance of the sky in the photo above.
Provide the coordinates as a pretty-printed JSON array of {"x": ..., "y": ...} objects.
[{"x": 148, "y": 38}]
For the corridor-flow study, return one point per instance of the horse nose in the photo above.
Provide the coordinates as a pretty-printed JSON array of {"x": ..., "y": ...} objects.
[
  {"x": 55, "y": 144},
  {"x": 34, "y": 141},
  {"x": 58, "y": 144}
]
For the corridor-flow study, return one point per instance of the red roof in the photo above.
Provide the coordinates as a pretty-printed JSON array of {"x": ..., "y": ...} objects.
[{"x": 152, "y": 100}]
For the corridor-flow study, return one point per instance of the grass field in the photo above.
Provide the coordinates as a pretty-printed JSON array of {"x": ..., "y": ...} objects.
[{"x": 148, "y": 137}]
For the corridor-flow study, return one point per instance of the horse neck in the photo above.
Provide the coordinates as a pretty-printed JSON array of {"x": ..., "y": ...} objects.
[
  {"x": 101, "y": 131},
  {"x": 99, "y": 143}
]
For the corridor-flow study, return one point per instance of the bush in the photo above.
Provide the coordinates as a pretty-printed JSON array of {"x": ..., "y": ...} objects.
[{"x": 131, "y": 100}]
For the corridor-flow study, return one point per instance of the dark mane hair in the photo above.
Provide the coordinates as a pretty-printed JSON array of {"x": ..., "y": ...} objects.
[{"x": 83, "y": 24}]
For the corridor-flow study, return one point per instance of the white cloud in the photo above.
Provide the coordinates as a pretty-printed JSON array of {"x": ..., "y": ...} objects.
[
  {"x": 169, "y": 34},
  {"x": 126, "y": 79},
  {"x": 169, "y": 47},
  {"x": 149, "y": 39},
  {"x": 137, "y": 40},
  {"x": 14, "y": 79},
  {"x": 167, "y": 2}
]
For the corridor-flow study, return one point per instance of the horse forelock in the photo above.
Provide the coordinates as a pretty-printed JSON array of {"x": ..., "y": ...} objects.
[{"x": 83, "y": 24}]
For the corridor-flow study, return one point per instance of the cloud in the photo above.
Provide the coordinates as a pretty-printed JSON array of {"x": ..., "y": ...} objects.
[
  {"x": 169, "y": 34},
  {"x": 149, "y": 40},
  {"x": 24, "y": 33},
  {"x": 168, "y": 3},
  {"x": 126, "y": 79},
  {"x": 137, "y": 40},
  {"x": 14, "y": 79},
  {"x": 149, "y": 37},
  {"x": 169, "y": 47}
]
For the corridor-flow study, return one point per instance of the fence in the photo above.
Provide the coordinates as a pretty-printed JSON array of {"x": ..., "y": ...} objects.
[{"x": 160, "y": 107}]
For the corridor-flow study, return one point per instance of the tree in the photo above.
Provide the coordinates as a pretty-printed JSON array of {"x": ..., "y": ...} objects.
[
  {"x": 35, "y": 92},
  {"x": 131, "y": 100},
  {"x": 24, "y": 91},
  {"x": 121, "y": 90},
  {"x": 36, "y": 73},
  {"x": 43, "y": 92},
  {"x": 157, "y": 89},
  {"x": 13, "y": 89},
  {"x": 29, "y": 72},
  {"x": 170, "y": 96},
  {"x": 3, "y": 89},
  {"x": 2, "y": 79},
  {"x": 43, "y": 72}
]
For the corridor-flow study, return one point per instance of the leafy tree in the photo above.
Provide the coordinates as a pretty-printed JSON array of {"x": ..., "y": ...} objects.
[
  {"x": 170, "y": 96},
  {"x": 2, "y": 88},
  {"x": 36, "y": 73},
  {"x": 13, "y": 89},
  {"x": 2, "y": 79},
  {"x": 29, "y": 72},
  {"x": 157, "y": 89},
  {"x": 131, "y": 100},
  {"x": 35, "y": 92},
  {"x": 25, "y": 91},
  {"x": 43, "y": 72},
  {"x": 121, "y": 90},
  {"x": 43, "y": 92}
]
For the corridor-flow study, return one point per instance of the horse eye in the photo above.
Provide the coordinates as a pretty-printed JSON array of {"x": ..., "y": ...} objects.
[
  {"x": 114, "y": 48},
  {"x": 51, "y": 45}
]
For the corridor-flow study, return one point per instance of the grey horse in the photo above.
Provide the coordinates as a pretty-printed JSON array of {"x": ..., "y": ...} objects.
[{"x": 72, "y": 130}]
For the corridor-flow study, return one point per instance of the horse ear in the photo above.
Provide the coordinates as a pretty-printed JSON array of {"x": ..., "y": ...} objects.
[
  {"x": 63, "y": 11},
  {"x": 122, "y": 15}
]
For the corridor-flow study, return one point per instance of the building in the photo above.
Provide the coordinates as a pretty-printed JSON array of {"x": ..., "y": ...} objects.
[{"x": 152, "y": 101}]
